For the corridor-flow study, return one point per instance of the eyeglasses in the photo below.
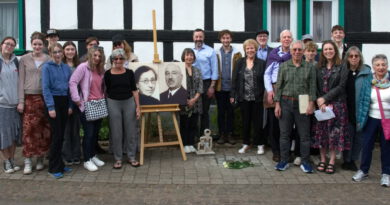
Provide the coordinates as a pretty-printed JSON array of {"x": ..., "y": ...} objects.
[
  {"x": 296, "y": 49},
  {"x": 353, "y": 56},
  {"x": 56, "y": 52},
  {"x": 116, "y": 59},
  {"x": 147, "y": 81},
  {"x": 10, "y": 45}
]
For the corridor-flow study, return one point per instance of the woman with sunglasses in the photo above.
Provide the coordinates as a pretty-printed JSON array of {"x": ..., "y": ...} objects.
[
  {"x": 356, "y": 75},
  {"x": 10, "y": 127},
  {"x": 36, "y": 128},
  {"x": 55, "y": 77},
  {"x": 123, "y": 109},
  {"x": 118, "y": 41},
  {"x": 88, "y": 79}
]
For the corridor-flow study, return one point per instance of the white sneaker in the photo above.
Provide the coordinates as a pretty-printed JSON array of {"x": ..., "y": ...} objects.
[
  {"x": 15, "y": 167},
  {"x": 260, "y": 149},
  {"x": 359, "y": 176},
  {"x": 192, "y": 148},
  {"x": 40, "y": 164},
  {"x": 27, "y": 166},
  {"x": 97, "y": 161},
  {"x": 8, "y": 169},
  {"x": 187, "y": 149},
  {"x": 385, "y": 180},
  {"x": 90, "y": 166},
  {"x": 243, "y": 149},
  {"x": 297, "y": 161}
]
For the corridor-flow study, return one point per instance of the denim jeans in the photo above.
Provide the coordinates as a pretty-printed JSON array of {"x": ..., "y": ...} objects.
[
  {"x": 91, "y": 132},
  {"x": 368, "y": 140}
]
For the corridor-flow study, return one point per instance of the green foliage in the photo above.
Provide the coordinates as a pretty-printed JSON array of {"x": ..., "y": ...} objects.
[{"x": 104, "y": 131}]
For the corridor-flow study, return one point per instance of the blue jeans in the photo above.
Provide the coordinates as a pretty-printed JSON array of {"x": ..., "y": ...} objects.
[
  {"x": 91, "y": 132},
  {"x": 368, "y": 140}
]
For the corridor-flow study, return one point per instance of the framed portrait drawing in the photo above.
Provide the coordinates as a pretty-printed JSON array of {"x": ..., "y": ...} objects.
[{"x": 163, "y": 83}]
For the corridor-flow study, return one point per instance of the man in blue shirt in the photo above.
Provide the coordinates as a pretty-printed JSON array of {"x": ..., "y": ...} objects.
[
  {"x": 227, "y": 57},
  {"x": 264, "y": 49},
  {"x": 206, "y": 61}
]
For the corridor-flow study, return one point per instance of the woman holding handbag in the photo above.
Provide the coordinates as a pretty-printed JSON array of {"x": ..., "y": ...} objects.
[
  {"x": 88, "y": 78},
  {"x": 374, "y": 107}
]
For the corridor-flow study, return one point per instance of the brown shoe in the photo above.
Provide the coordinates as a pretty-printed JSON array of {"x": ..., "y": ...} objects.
[
  {"x": 221, "y": 139},
  {"x": 230, "y": 139},
  {"x": 276, "y": 158}
]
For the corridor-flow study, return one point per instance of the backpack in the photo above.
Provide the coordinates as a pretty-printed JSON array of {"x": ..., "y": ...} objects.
[{"x": 15, "y": 61}]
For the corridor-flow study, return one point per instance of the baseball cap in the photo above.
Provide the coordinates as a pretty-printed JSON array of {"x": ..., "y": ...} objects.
[{"x": 52, "y": 32}]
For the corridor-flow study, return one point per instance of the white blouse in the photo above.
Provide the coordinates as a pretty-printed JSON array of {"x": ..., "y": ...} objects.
[{"x": 374, "y": 106}]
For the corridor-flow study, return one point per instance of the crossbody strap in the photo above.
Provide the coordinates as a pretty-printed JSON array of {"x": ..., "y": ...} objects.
[{"x": 380, "y": 103}]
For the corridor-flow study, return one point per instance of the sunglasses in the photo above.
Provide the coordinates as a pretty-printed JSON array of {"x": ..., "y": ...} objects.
[
  {"x": 98, "y": 47},
  {"x": 353, "y": 56},
  {"x": 116, "y": 59},
  {"x": 118, "y": 43}
]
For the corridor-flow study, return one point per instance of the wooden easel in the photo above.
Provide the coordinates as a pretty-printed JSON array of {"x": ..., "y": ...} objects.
[{"x": 148, "y": 109}]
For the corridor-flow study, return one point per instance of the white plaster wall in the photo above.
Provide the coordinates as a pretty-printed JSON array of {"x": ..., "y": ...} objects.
[
  {"x": 145, "y": 51},
  {"x": 107, "y": 46},
  {"x": 63, "y": 14},
  {"x": 370, "y": 50},
  {"x": 187, "y": 15},
  {"x": 142, "y": 14},
  {"x": 224, "y": 18},
  {"x": 33, "y": 19},
  {"x": 108, "y": 14},
  {"x": 379, "y": 15},
  {"x": 178, "y": 48}
]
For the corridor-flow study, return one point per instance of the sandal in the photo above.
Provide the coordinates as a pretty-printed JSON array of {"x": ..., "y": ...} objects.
[
  {"x": 330, "y": 169},
  {"x": 321, "y": 167},
  {"x": 134, "y": 163},
  {"x": 117, "y": 165}
]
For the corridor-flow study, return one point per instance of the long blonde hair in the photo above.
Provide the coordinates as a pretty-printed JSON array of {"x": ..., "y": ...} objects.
[{"x": 100, "y": 67}]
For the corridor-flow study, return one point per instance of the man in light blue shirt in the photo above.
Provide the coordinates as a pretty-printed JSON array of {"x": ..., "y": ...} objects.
[
  {"x": 264, "y": 49},
  {"x": 206, "y": 61}
]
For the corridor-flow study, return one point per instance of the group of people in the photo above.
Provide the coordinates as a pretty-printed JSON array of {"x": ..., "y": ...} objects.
[{"x": 269, "y": 85}]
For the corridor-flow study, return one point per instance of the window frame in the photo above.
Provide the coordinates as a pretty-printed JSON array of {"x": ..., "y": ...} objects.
[
  {"x": 335, "y": 13},
  {"x": 295, "y": 15},
  {"x": 19, "y": 50}
]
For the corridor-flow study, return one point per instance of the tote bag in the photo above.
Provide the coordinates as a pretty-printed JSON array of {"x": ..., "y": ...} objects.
[
  {"x": 96, "y": 109},
  {"x": 385, "y": 122}
]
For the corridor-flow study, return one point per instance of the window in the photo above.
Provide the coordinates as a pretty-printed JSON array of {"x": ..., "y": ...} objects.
[
  {"x": 9, "y": 25},
  {"x": 324, "y": 16},
  {"x": 282, "y": 14}
]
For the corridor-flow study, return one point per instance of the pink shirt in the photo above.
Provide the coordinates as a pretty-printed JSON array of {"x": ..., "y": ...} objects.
[{"x": 96, "y": 92}]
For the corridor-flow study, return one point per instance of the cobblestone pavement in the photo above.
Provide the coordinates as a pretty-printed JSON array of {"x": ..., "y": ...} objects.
[{"x": 166, "y": 179}]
